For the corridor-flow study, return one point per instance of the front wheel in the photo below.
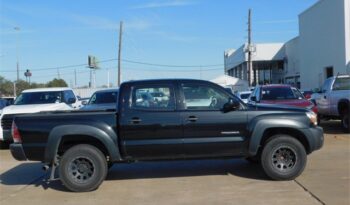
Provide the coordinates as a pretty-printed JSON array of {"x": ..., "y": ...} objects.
[
  {"x": 283, "y": 158},
  {"x": 345, "y": 122},
  {"x": 83, "y": 168}
]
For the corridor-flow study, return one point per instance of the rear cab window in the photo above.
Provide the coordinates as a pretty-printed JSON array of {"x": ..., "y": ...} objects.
[{"x": 144, "y": 97}]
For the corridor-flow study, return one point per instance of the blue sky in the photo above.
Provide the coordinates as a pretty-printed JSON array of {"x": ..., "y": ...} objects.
[{"x": 171, "y": 32}]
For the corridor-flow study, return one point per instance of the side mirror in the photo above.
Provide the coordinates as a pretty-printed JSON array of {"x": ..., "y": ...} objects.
[
  {"x": 71, "y": 100},
  {"x": 231, "y": 105},
  {"x": 253, "y": 98},
  {"x": 84, "y": 102}
]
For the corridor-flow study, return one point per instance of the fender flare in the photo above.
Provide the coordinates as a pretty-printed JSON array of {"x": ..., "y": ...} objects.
[
  {"x": 108, "y": 138},
  {"x": 259, "y": 126}
]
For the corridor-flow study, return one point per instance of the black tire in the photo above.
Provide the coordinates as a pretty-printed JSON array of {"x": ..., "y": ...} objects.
[
  {"x": 283, "y": 158},
  {"x": 4, "y": 145},
  {"x": 345, "y": 123},
  {"x": 82, "y": 168}
]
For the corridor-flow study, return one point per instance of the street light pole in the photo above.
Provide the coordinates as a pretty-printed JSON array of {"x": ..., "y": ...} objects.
[{"x": 17, "y": 50}]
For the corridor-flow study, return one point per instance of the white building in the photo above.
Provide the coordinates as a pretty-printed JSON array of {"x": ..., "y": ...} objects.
[
  {"x": 324, "y": 39},
  {"x": 321, "y": 50}
]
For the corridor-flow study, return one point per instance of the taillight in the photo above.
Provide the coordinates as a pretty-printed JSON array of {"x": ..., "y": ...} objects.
[{"x": 15, "y": 133}]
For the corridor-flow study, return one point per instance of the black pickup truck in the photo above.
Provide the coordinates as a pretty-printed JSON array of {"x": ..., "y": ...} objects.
[{"x": 163, "y": 120}]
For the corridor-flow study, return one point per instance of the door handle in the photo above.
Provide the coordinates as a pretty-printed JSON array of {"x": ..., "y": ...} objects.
[
  {"x": 192, "y": 118},
  {"x": 135, "y": 120}
]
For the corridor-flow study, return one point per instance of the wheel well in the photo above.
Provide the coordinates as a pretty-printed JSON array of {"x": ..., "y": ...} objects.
[
  {"x": 343, "y": 106},
  {"x": 287, "y": 131},
  {"x": 69, "y": 141}
]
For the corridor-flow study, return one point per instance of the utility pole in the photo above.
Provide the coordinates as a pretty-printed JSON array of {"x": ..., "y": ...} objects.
[
  {"x": 17, "y": 50},
  {"x": 75, "y": 78},
  {"x": 250, "y": 64},
  {"x": 119, "y": 50},
  {"x": 58, "y": 73},
  {"x": 107, "y": 78}
]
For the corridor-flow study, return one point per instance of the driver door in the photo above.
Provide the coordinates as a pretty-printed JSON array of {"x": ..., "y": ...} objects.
[{"x": 208, "y": 131}]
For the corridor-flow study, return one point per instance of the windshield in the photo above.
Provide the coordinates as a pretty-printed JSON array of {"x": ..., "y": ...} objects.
[
  {"x": 281, "y": 93},
  {"x": 103, "y": 97},
  {"x": 39, "y": 98}
]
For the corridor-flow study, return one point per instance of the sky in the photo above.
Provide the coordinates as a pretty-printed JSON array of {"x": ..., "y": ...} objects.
[{"x": 161, "y": 38}]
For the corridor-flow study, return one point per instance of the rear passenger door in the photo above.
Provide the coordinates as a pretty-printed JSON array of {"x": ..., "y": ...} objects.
[{"x": 151, "y": 127}]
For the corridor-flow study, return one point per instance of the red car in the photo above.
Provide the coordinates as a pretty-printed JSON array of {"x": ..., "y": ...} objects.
[{"x": 281, "y": 94}]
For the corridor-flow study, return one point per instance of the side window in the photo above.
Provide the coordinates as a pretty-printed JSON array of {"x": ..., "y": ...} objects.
[
  {"x": 203, "y": 97},
  {"x": 342, "y": 84},
  {"x": 258, "y": 94},
  {"x": 153, "y": 98},
  {"x": 253, "y": 94},
  {"x": 68, "y": 94}
]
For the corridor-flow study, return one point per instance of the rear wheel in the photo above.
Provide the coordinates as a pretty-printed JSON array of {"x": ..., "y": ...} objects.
[
  {"x": 283, "y": 158},
  {"x": 345, "y": 121},
  {"x": 83, "y": 168},
  {"x": 4, "y": 145}
]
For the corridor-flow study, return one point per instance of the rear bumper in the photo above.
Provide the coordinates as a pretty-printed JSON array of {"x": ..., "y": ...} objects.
[
  {"x": 315, "y": 138},
  {"x": 6, "y": 136},
  {"x": 18, "y": 152}
]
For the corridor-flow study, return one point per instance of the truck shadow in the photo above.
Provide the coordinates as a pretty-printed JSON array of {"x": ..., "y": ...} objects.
[
  {"x": 186, "y": 168},
  {"x": 32, "y": 174},
  {"x": 23, "y": 174}
]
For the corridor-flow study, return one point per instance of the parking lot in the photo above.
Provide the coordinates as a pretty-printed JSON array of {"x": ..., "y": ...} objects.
[{"x": 326, "y": 180}]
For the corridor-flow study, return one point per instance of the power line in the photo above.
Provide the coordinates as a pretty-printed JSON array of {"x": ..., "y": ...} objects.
[{"x": 123, "y": 60}]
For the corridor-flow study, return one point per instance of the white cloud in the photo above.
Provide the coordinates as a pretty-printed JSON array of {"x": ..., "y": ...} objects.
[{"x": 169, "y": 3}]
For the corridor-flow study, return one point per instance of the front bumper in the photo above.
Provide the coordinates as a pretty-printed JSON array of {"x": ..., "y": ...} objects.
[
  {"x": 18, "y": 152},
  {"x": 315, "y": 138}
]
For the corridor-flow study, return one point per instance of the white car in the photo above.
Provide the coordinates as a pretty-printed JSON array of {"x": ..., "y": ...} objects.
[
  {"x": 244, "y": 95},
  {"x": 32, "y": 101}
]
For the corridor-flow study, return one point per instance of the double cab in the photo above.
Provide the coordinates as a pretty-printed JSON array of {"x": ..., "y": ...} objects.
[{"x": 194, "y": 120}]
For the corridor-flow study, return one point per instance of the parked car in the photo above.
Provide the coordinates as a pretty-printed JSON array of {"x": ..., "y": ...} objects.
[
  {"x": 280, "y": 94},
  {"x": 333, "y": 100},
  {"x": 244, "y": 95},
  {"x": 32, "y": 101},
  {"x": 307, "y": 94},
  {"x": 159, "y": 96},
  {"x": 82, "y": 145},
  {"x": 102, "y": 100},
  {"x": 81, "y": 102},
  {"x": 3, "y": 103}
]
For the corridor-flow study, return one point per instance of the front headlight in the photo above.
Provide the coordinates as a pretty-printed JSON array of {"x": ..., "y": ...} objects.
[{"x": 313, "y": 117}]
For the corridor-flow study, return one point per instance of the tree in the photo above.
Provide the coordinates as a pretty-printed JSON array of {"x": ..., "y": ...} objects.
[
  {"x": 6, "y": 87},
  {"x": 57, "y": 83},
  {"x": 22, "y": 85}
]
